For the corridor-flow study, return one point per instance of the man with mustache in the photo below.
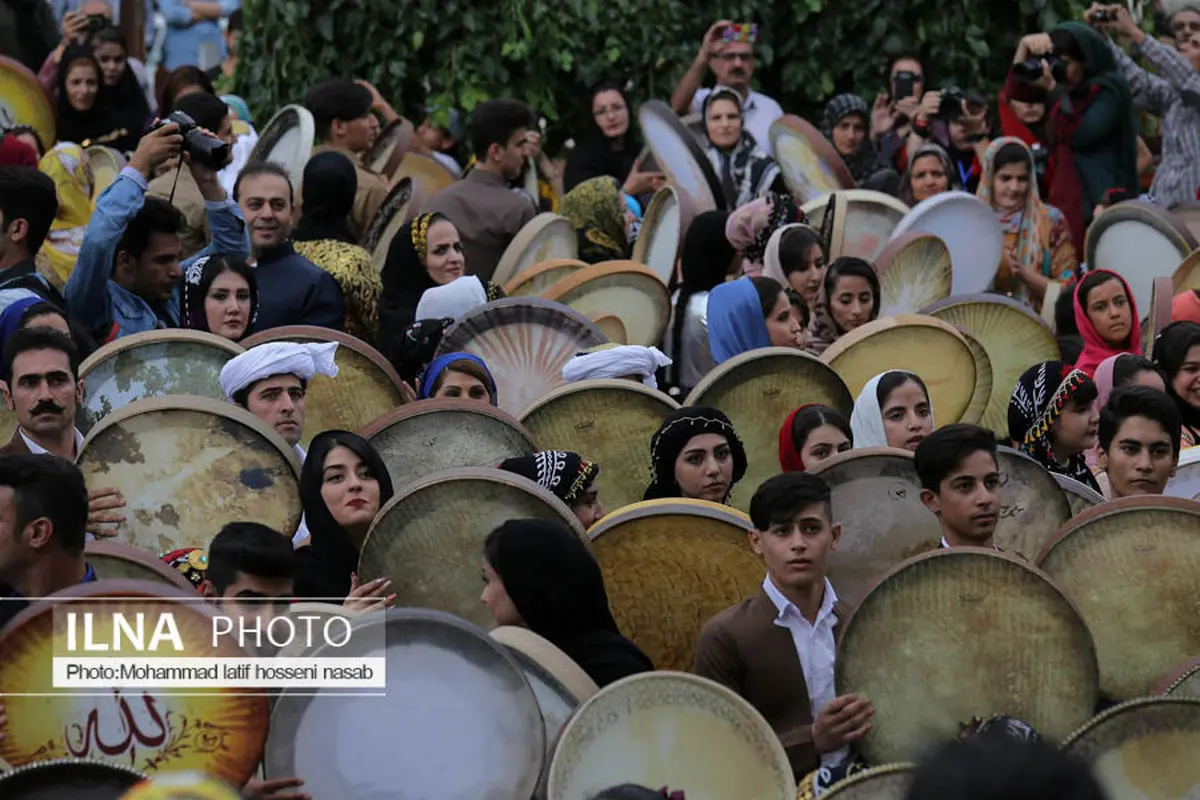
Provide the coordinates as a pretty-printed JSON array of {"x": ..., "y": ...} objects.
[
  {"x": 732, "y": 64},
  {"x": 960, "y": 483}
]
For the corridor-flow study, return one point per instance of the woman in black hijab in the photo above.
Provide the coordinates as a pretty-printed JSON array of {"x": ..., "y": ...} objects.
[
  {"x": 695, "y": 453},
  {"x": 124, "y": 99},
  {"x": 343, "y": 485},
  {"x": 541, "y": 576},
  {"x": 610, "y": 146},
  {"x": 705, "y": 261},
  {"x": 1177, "y": 353},
  {"x": 84, "y": 111}
]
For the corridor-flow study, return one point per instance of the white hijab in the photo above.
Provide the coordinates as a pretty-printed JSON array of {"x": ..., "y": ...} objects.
[
  {"x": 866, "y": 422},
  {"x": 453, "y": 300}
]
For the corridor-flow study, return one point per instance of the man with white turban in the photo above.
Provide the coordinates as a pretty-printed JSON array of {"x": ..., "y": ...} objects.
[{"x": 616, "y": 361}]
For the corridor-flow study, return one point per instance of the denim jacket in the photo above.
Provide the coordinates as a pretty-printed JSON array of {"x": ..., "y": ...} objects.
[{"x": 97, "y": 301}]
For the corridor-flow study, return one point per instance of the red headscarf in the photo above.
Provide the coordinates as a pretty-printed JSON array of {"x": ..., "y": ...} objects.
[
  {"x": 1095, "y": 349},
  {"x": 790, "y": 459},
  {"x": 15, "y": 153}
]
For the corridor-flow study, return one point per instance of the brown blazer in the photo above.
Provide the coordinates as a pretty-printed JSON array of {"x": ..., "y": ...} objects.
[
  {"x": 742, "y": 648},
  {"x": 16, "y": 444}
]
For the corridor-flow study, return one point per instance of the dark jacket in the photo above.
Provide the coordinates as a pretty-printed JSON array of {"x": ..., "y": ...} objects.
[{"x": 294, "y": 291}]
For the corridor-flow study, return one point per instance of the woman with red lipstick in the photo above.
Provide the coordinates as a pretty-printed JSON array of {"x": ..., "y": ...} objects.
[
  {"x": 343, "y": 485},
  {"x": 220, "y": 296},
  {"x": 893, "y": 410}
]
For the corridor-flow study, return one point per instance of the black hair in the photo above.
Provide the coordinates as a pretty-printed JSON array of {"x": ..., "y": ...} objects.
[
  {"x": 1065, "y": 44},
  {"x": 1140, "y": 401},
  {"x": 794, "y": 246},
  {"x": 29, "y": 194},
  {"x": 1070, "y": 348},
  {"x": 336, "y": 100},
  {"x": 109, "y": 34},
  {"x": 259, "y": 167},
  {"x": 892, "y": 381},
  {"x": 51, "y": 487},
  {"x": 1129, "y": 365},
  {"x": 156, "y": 216},
  {"x": 1013, "y": 153},
  {"x": 809, "y": 418},
  {"x": 236, "y": 22},
  {"x": 242, "y": 396},
  {"x": 18, "y": 130},
  {"x": 208, "y": 110},
  {"x": 1094, "y": 279},
  {"x": 995, "y": 768},
  {"x": 179, "y": 79},
  {"x": 192, "y": 308},
  {"x": 628, "y": 791},
  {"x": 768, "y": 293},
  {"x": 1064, "y": 317},
  {"x": 249, "y": 548},
  {"x": 24, "y": 340},
  {"x": 944, "y": 450},
  {"x": 494, "y": 122},
  {"x": 906, "y": 55},
  {"x": 1084, "y": 396},
  {"x": 849, "y": 266},
  {"x": 704, "y": 260},
  {"x": 798, "y": 303},
  {"x": 782, "y": 497}
]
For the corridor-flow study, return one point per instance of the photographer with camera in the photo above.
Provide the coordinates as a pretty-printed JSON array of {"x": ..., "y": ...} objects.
[
  {"x": 958, "y": 121},
  {"x": 1171, "y": 93},
  {"x": 1092, "y": 134},
  {"x": 126, "y": 279}
]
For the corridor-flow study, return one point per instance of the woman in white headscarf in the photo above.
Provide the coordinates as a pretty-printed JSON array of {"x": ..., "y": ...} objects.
[{"x": 893, "y": 410}]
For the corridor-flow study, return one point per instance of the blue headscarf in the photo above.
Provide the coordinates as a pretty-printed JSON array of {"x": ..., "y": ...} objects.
[
  {"x": 444, "y": 362},
  {"x": 12, "y": 314},
  {"x": 735, "y": 320}
]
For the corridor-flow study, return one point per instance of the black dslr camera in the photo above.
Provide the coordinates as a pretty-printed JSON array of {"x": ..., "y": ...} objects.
[
  {"x": 207, "y": 151},
  {"x": 1031, "y": 69},
  {"x": 953, "y": 101}
]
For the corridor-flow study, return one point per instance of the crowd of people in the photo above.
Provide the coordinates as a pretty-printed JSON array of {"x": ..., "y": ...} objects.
[{"x": 214, "y": 241}]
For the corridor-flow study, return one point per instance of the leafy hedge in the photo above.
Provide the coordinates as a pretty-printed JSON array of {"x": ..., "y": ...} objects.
[{"x": 546, "y": 52}]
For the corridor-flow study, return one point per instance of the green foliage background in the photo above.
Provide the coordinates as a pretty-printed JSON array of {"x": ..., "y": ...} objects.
[{"x": 547, "y": 52}]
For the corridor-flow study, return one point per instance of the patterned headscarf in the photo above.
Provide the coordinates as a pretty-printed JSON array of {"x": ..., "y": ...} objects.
[
  {"x": 749, "y": 228},
  {"x": 596, "y": 209},
  {"x": 1038, "y": 400},
  {"x": 673, "y": 435},
  {"x": 866, "y": 161},
  {"x": 565, "y": 474},
  {"x": 1031, "y": 222},
  {"x": 192, "y": 563}
]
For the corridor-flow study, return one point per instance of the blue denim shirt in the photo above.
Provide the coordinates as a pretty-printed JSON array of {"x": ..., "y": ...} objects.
[
  {"x": 181, "y": 46},
  {"x": 97, "y": 301}
]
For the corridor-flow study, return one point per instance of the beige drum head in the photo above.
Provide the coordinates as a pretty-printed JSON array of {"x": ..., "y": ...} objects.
[
  {"x": 390, "y": 148},
  {"x": 1144, "y": 749},
  {"x": 982, "y": 633},
  {"x": 648, "y": 547},
  {"x": 1140, "y": 242},
  {"x": 8, "y": 424},
  {"x": 678, "y": 154},
  {"x": 366, "y": 385},
  {"x": 429, "y": 537},
  {"x": 1183, "y": 682},
  {"x": 1186, "y": 481},
  {"x": 1032, "y": 506},
  {"x": 419, "y": 438},
  {"x": 220, "y": 731},
  {"x": 924, "y": 346},
  {"x": 1133, "y": 568},
  {"x": 23, "y": 102},
  {"x": 611, "y": 326},
  {"x": 540, "y": 277},
  {"x": 1079, "y": 496},
  {"x": 1014, "y": 337},
  {"x": 811, "y": 167},
  {"x": 1188, "y": 215},
  {"x": 914, "y": 271},
  {"x": 426, "y": 171},
  {"x": 543, "y": 238},
  {"x": 116, "y": 561},
  {"x": 151, "y": 364},
  {"x": 876, "y": 498},
  {"x": 106, "y": 164},
  {"x": 1160, "y": 314},
  {"x": 288, "y": 141},
  {"x": 166, "y": 455},
  {"x": 608, "y": 422},
  {"x": 870, "y": 218},
  {"x": 969, "y": 228},
  {"x": 458, "y": 721},
  {"x": 757, "y": 390},
  {"x": 399, "y": 207},
  {"x": 889, "y": 782},
  {"x": 1187, "y": 274},
  {"x": 67, "y": 779},
  {"x": 624, "y": 289},
  {"x": 526, "y": 342},
  {"x": 675, "y": 730},
  {"x": 663, "y": 227},
  {"x": 983, "y": 381}
]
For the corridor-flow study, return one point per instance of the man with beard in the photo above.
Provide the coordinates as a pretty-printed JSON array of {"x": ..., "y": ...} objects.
[
  {"x": 732, "y": 64},
  {"x": 486, "y": 212},
  {"x": 291, "y": 289}
]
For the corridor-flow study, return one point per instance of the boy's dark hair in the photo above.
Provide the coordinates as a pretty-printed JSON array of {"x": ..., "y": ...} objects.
[
  {"x": 242, "y": 396},
  {"x": 51, "y": 487},
  {"x": 494, "y": 122},
  {"x": 236, "y": 22},
  {"x": 336, "y": 99},
  {"x": 156, "y": 216},
  {"x": 992, "y": 768},
  {"x": 208, "y": 110},
  {"x": 263, "y": 168},
  {"x": 249, "y": 548},
  {"x": 781, "y": 498},
  {"x": 29, "y": 194},
  {"x": 944, "y": 450},
  {"x": 1140, "y": 401},
  {"x": 23, "y": 340}
]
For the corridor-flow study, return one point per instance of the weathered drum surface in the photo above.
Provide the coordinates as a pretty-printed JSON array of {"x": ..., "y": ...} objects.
[{"x": 1032, "y": 506}]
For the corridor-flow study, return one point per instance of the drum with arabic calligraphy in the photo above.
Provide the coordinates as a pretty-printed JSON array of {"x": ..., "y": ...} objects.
[
  {"x": 220, "y": 732},
  {"x": 68, "y": 779}
]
